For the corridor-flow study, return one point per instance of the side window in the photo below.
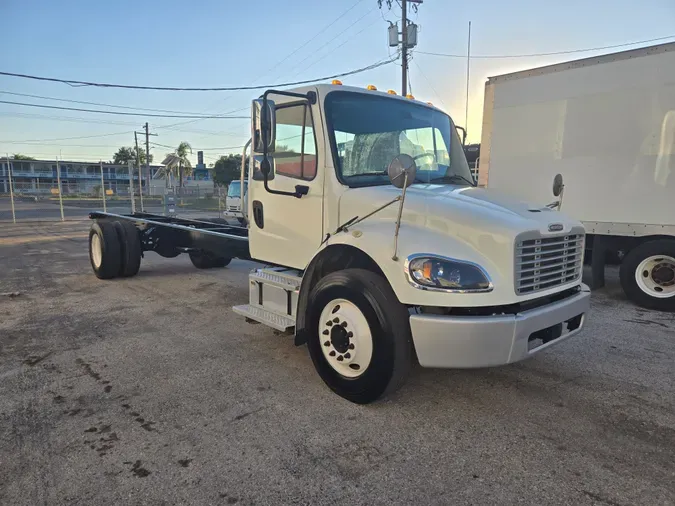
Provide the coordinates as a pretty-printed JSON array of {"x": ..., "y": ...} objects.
[{"x": 295, "y": 154}]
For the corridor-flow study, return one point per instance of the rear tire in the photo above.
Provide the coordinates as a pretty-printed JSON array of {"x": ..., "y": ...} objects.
[
  {"x": 648, "y": 275},
  {"x": 130, "y": 248},
  {"x": 374, "y": 321},
  {"x": 104, "y": 250}
]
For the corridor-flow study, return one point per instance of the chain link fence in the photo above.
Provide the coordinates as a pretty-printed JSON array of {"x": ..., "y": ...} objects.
[{"x": 36, "y": 191}]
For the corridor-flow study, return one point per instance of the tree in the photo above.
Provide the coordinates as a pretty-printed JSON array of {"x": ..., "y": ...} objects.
[
  {"x": 19, "y": 156},
  {"x": 178, "y": 160},
  {"x": 227, "y": 169},
  {"x": 124, "y": 155}
]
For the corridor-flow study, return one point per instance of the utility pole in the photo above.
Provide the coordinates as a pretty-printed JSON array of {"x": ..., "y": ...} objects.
[
  {"x": 404, "y": 47},
  {"x": 408, "y": 35},
  {"x": 140, "y": 172},
  {"x": 468, "y": 66},
  {"x": 146, "y": 131}
]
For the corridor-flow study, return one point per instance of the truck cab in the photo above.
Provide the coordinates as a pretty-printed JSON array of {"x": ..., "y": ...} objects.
[{"x": 371, "y": 273}]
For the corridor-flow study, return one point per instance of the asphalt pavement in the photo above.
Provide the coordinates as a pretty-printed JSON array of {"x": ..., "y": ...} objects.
[{"x": 150, "y": 390}]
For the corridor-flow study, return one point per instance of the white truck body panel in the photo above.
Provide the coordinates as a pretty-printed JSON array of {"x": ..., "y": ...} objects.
[{"x": 607, "y": 124}]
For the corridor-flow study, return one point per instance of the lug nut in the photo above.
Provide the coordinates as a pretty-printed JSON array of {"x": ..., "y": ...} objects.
[
  {"x": 326, "y": 332},
  {"x": 344, "y": 324},
  {"x": 350, "y": 334},
  {"x": 329, "y": 323},
  {"x": 336, "y": 319},
  {"x": 348, "y": 355},
  {"x": 351, "y": 346},
  {"x": 340, "y": 359},
  {"x": 332, "y": 353},
  {"x": 327, "y": 343}
]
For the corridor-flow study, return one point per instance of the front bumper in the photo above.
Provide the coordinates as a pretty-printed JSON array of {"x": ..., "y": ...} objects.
[{"x": 483, "y": 341}]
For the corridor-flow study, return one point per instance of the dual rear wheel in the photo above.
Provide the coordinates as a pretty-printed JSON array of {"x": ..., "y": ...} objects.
[{"x": 115, "y": 250}]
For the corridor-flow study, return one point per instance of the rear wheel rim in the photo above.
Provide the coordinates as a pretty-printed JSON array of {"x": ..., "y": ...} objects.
[
  {"x": 96, "y": 250},
  {"x": 345, "y": 338},
  {"x": 655, "y": 276}
]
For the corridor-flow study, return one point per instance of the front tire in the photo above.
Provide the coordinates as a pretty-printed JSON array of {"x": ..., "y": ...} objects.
[
  {"x": 104, "y": 250},
  {"x": 367, "y": 352},
  {"x": 648, "y": 275}
]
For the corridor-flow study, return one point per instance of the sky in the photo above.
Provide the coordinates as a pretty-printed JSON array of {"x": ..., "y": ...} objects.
[{"x": 211, "y": 43}]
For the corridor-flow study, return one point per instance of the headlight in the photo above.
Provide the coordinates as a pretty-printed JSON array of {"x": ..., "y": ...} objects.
[{"x": 446, "y": 274}]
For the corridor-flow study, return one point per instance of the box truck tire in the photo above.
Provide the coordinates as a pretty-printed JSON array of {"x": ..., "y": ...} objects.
[
  {"x": 648, "y": 275},
  {"x": 104, "y": 250},
  {"x": 359, "y": 335}
]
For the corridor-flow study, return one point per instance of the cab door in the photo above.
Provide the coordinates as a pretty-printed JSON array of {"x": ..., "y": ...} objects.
[{"x": 287, "y": 230}]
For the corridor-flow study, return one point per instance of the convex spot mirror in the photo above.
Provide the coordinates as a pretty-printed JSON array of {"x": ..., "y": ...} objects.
[
  {"x": 398, "y": 168},
  {"x": 263, "y": 126},
  {"x": 558, "y": 185}
]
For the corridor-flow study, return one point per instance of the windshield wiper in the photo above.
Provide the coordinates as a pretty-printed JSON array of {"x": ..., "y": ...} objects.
[
  {"x": 381, "y": 173},
  {"x": 450, "y": 178}
]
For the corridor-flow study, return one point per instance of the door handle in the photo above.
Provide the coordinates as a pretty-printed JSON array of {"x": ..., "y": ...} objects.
[{"x": 300, "y": 190}]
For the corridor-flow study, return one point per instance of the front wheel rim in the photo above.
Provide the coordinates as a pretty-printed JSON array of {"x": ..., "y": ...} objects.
[
  {"x": 345, "y": 338},
  {"x": 96, "y": 250},
  {"x": 655, "y": 276}
]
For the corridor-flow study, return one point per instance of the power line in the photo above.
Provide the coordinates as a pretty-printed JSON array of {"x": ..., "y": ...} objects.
[
  {"x": 331, "y": 40},
  {"x": 571, "y": 51},
  {"x": 167, "y": 88},
  {"x": 96, "y": 103},
  {"x": 351, "y": 39},
  {"x": 61, "y": 145},
  {"x": 320, "y": 32},
  {"x": 65, "y": 118},
  {"x": 429, "y": 82},
  {"x": 170, "y": 127},
  {"x": 67, "y": 138},
  {"x": 118, "y": 113}
]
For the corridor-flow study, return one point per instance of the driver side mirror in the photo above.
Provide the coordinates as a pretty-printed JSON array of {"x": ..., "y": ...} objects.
[
  {"x": 263, "y": 125},
  {"x": 463, "y": 130},
  {"x": 558, "y": 185}
]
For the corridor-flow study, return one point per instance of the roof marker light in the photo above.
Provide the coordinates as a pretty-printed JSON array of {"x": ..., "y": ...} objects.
[
  {"x": 371, "y": 87},
  {"x": 410, "y": 96},
  {"x": 337, "y": 82},
  {"x": 391, "y": 92}
]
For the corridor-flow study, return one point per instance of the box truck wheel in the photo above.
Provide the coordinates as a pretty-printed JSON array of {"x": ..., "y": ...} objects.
[
  {"x": 648, "y": 275},
  {"x": 130, "y": 248},
  {"x": 359, "y": 335},
  {"x": 104, "y": 250}
]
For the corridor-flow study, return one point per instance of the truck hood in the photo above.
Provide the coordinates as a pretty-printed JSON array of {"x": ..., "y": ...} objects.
[{"x": 478, "y": 217}]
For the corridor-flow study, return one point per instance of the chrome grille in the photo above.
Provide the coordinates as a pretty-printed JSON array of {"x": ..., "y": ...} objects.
[{"x": 547, "y": 262}]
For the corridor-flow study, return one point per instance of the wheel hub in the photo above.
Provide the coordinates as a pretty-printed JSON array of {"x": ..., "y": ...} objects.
[
  {"x": 339, "y": 338},
  {"x": 346, "y": 341},
  {"x": 655, "y": 276},
  {"x": 664, "y": 274}
]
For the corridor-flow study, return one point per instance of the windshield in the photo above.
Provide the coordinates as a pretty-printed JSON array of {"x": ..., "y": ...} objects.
[
  {"x": 369, "y": 131},
  {"x": 234, "y": 189}
]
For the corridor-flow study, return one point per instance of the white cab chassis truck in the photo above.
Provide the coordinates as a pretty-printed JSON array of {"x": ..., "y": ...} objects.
[
  {"x": 607, "y": 124},
  {"x": 379, "y": 248}
]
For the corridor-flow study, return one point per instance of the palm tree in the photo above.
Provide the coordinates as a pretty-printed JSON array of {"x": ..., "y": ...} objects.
[{"x": 178, "y": 160}]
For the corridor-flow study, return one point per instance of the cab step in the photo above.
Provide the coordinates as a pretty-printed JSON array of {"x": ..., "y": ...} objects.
[
  {"x": 269, "y": 318},
  {"x": 273, "y": 297}
]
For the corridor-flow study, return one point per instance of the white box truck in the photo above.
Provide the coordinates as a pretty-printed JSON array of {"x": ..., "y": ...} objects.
[
  {"x": 607, "y": 125},
  {"x": 379, "y": 247}
]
